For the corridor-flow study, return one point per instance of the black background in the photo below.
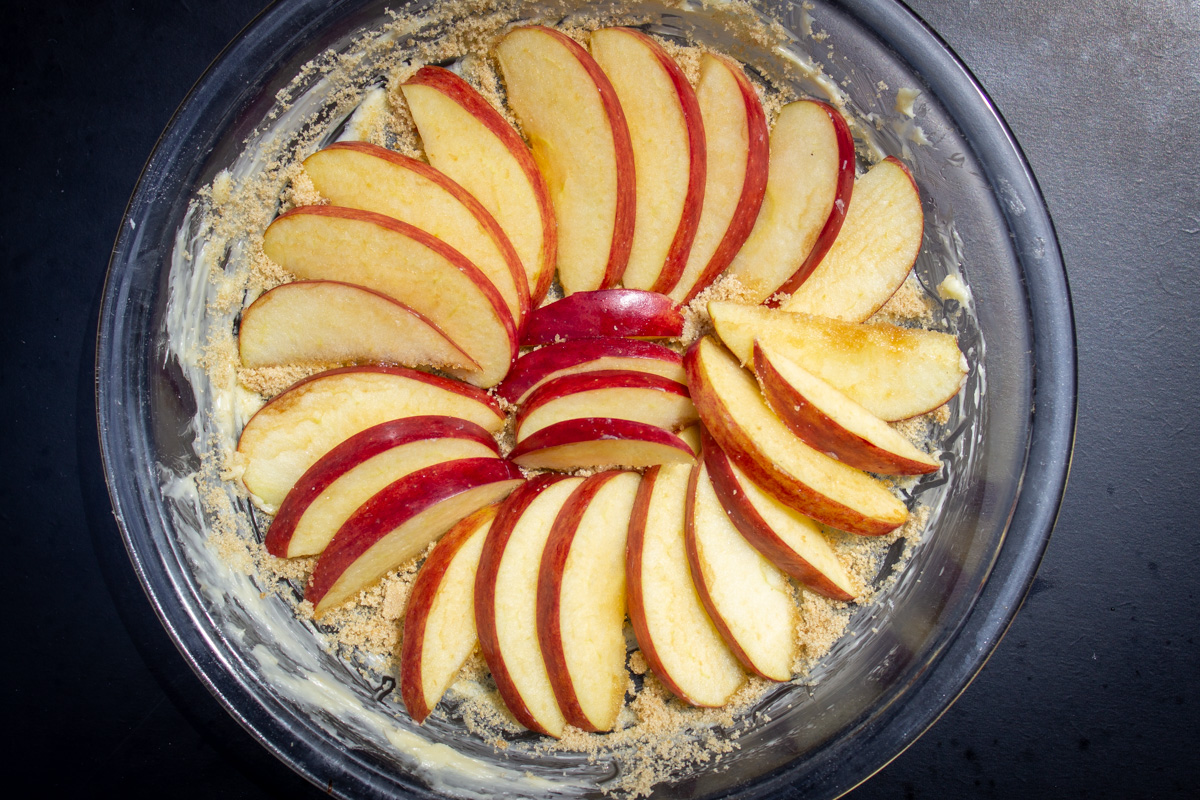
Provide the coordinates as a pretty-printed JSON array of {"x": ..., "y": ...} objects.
[{"x": 1091, "y": 694}]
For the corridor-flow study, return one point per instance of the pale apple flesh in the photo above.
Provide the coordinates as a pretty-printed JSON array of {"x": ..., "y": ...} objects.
[
  {"x": 747, "y": 598},
  {"x": 580, "y": 141},
  {"x": 506, "y": 601},
  {"x": 333, "y": 488},
  {"x": 439, "y": 622},
  {"x": 669, "y": 153},
  {"x": 733, "y": 410},
  {"x": 874, "y": 252},
  {"x": 581, "y": 600},
  {"x": 468, "y": 139},
  {"x": 536, "y": 367},
  {"x": 291, "y": 432},
  {"x": 893, "y": 372},
  {"x": 328, "y": 322},
  {"x": 597, "y": 442},
  {"x": 615, "y": 394},
  {"x": 788, "y": 539},
  {"x": 735, "y": 129},
  {"x": 371, "y": 178},
  {"x": 400, "y": 521},
  {"x": 809, "y": 185},
  {"x": 676, "y": 636},
  {"x": 406, "y": 264},
  {"x": 833, "y": 423},
  {"x": 606, "y": 312}
]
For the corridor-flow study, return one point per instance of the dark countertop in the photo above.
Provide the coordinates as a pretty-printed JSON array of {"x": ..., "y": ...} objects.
[{"x": 1091, "y": 694}]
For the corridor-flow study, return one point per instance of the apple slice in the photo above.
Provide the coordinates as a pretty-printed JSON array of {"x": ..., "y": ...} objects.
[
  {"x": 616, "y": 394},
  {"x": 581, "y": 600},
  {"x": 605, "y": 312},
  {"x": 692, "y": 435},
  {"x": 439, "y": 623},
  {"x": 832, "y": 422},
  {"x": 600, "y": 442},
  {"x": 809, "y": 481},
  {"x": 587, "y": 355},
  {"x": 332, "y": 489},
  {"x": 297, "y": 427},
  {"x": 506, "y": 589},
  {"x": 407, "y": 264},
  {"x": 789, "y": 540},
  {"x": 323, "y": 322},
  {"x": 669, "y": 153},
  {"x": 735, "y": 127},
  {"x": 874, "y": 252},
  {"x": 580, "y": 140},
  {"x": 745, "y": 596},
  {"x": 673, "y": 630},
  {"x": 401, "y": 520},
  {"x": 808, "y": 191},
  {"x": 468, "y": 139},
  {"x": 364, "y": 176},
  {"x": 895, "y": 373}
]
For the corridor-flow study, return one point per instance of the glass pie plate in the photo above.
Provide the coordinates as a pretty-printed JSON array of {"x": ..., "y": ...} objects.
[{"x": 906, "y": 656}]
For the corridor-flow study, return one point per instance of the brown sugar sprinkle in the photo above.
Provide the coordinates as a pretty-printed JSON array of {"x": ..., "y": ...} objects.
[{"x": 657, "y": 737}]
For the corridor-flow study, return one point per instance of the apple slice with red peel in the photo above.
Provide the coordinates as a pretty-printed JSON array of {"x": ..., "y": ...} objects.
[
  {"x": 735, "y": 127},
  {"x": 734, "y": 412},
  {"x": 809, "y": 188},
  {"x": 600, "y": 442},
  {"x": 468, "y": 139},
  {"x": 669, "y": 153},
  {"x": 616, "y": 394},
  {"x": 692, "y": 435},
  {"x": 581, "y": 600},
  {"x": 789, "y": 540},
  {"x": 332, "y": 489},
  {"x": 408, "y": 265},
  {"x": 371, "y": 178},
  {"x": 673, "y": 630},
  {"x": 324, "y": 322},
  {"x": 401, "y": 520},
  {"x": 587, "y": 355},
  {"x": 745, "y": 596},
  {"x": 291, "y": 432},
  {"x": 439, "y": 623},
  {"x": 895, "y": 373},
  {"x": 873, "y": 253},
  {"x": 506, "y": 590},
  {"x": 580, "y": 141},
  {"x": 832, "y": 422},
  {"x": 605, "y": 312}
]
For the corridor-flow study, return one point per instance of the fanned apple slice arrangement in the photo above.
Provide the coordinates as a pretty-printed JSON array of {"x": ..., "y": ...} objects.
[{"x": 751, "y": 442}]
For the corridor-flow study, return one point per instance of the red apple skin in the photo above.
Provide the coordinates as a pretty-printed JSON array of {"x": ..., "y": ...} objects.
[
  {"x": 352, "y": 452},
  {"x": 815, "y": 427},
  {"x": 605, "y": 312},
  {"x": 754, "y": 188},
  {"x": 463, "y": 196},
  {"x": 590, "y": 429},
  {"x": 549, "y": 622},
  {"x": 693, "y": 202},
  {"x": 485, "y": 593},
  {"x": 622, "y": 241},
  {"x": 534, "y": 366},
  {"x": 424, "y": 590},
  {"x": 755, "y": 528},
  {"x": 841, "y": 204},
  {"x": 457, "y": 259},
  {"x": 747, "y": 455},
  {"x": 591, "y": 381},
  {"x": 397, "y": 503},
  {"x": 465, "y": 95}
]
